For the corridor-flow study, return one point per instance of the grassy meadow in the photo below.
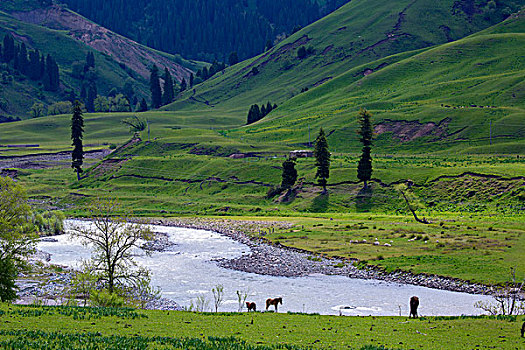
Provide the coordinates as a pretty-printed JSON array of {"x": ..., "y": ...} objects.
[
  {"x": 472, "y": 201},
  {"x": 32, "y": 327}
]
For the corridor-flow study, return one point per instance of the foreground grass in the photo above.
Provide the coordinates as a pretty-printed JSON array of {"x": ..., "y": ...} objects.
[{"x": 72, "y": 328}]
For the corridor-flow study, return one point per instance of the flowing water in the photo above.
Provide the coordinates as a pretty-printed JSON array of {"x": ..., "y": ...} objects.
[{"x": 189, "y": 271}]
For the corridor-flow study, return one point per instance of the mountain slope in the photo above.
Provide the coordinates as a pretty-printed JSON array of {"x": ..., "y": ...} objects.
[
  {"x": 118, "y": 61},
  {"x": 359, "y": 32},
  {"x": 468, "y": 93},
  {"x": 123, "y": 50}
]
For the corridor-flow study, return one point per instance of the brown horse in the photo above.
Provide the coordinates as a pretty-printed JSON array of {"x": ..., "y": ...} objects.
[
  {"x": 251, "y": 306},
  {"x": 414, "y": 303},
  {"x": 273, "y": 302}
]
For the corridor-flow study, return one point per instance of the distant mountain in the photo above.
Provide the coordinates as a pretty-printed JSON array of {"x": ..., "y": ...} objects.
[{"x": 205, "y": 29}]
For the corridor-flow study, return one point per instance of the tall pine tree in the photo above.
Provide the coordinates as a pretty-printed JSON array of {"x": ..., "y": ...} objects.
[
  {"x": 364, "y": 167},
  {"x": 156, "y": 93},
  {"x": 322, "y": 160},
  {"x": 289, "y": 175},
  {"x": 51, "y": 75},
  {"x": 168, "y": 94},
  {"x": 77, "y": 129}
]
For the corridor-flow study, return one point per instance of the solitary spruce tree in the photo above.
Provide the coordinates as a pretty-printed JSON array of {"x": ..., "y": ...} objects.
[
  {"x": 322, "y": 159},
  {"x": 364, "y": 168},
  {"x": 289, "y": 175},
  {"x": 156, "y": 93},
  {"x": 77, "y": 128}
]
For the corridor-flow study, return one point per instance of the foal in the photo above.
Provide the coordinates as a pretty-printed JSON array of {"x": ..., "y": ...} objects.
[{"x": 251, "y": 306}]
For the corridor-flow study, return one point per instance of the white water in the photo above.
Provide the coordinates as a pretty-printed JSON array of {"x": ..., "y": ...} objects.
[{"x": 190, "y": 271}]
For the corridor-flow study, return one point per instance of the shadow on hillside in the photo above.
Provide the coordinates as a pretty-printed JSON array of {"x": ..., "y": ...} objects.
[
  {"x": 320, "y": 204},
  {"x": 363, "y": 200}
]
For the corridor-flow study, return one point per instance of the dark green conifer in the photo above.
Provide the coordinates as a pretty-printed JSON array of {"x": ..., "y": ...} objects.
[
  {"x": 254, "y": 114},
  {"x": 91, "y": 96},
  {"x": 77, "y": 129},
  {"x": 289, "y": 175},
  {"x": 143, "y": 105},
  {"x": 156, "y": 93},
  {"x": 183, "y": 85},
  {"x": 364, "y": 167},
  {"x": 168, "y": 95},
  {"x": 233, "y": 59},
  {"x": 90, "y": 60},
  {"x": 322, "y": 160},
  {"x": 8, "y": 49}
]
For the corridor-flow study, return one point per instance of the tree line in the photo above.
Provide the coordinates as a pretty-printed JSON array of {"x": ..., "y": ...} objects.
[
  {"x": 204, "y": 29},
  {"x": 256, "y": 113},
  {"x": 31, "y": 63}
]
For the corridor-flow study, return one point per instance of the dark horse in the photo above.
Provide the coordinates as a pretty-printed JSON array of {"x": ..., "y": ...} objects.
[
  {"x": 273, "y": 302},
  {"x": 251, "y": 306},
  {"x": 414, "y": 303},
  {"x": 523, "y": 330}
]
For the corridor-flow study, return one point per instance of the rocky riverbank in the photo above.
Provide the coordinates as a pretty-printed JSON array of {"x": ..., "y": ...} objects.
[{"x": 277, "y": 260}]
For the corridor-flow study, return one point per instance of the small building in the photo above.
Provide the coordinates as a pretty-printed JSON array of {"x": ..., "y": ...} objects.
[{"x": 301, "y": 154}]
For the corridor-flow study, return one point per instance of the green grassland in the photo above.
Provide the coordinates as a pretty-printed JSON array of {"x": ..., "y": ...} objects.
[
  {"x": 466, "y": 84},
  {"x": 477, "y": 230},
  {"x": 355, "y": 34},
  {"x": 473, "y": 87},
  {"x": 36, "y": 327}
]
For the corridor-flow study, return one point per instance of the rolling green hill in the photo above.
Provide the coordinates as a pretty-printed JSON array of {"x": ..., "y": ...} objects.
[
  {"x": 447, "y": 96},
  {"x": 374, "y": 54},
  {"x": 358, "y": 33}
]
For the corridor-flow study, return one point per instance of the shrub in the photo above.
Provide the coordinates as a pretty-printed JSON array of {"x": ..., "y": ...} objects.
[{"x": 104, "y": 298}]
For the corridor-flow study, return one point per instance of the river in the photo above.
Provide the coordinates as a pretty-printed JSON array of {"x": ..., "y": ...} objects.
[{"x": 190, "y": 270}]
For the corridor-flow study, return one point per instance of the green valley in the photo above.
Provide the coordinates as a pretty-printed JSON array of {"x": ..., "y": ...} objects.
[{"x": 445, "y": 84}]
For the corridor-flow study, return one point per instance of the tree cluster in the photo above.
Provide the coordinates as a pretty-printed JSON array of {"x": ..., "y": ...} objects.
[
  {"x": 204, "y": 29},
  {"x": 165, "y": 95},
  {"x": 304, "y": 52},
  {"x": 31, "y": 63},
  {"x": 207, "y": 73},
  {"x": 256, "y": 113}
]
